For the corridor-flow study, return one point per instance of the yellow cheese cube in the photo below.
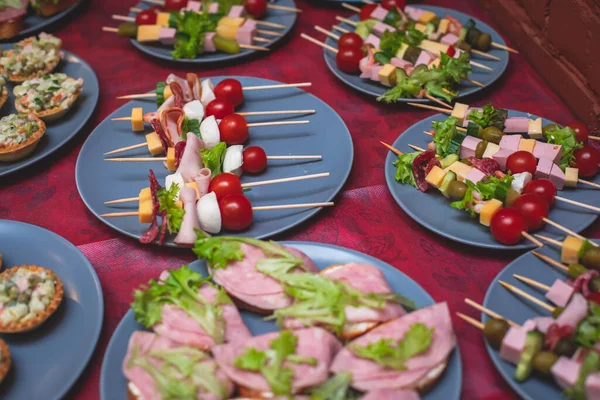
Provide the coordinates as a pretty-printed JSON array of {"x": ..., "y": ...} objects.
[
  {"x": 401, "y": 51},
  {"x": 461, "y": 170},
  {"x": 145, "y": 194},
  {"x": 490, "y": 150},
  {"x": 154, "y": 144},
  {"x": 570, "y": 250},
  {"x": 420, "y": 27},
  {"x": 435, "y": 63},
  {"x": 433, "y": 47},
  {"x": 232, "y": 22},
  {"x": 426, "y": 17},
  {"x": 162, "y": 19},
  {"x": 527, "y": 145},
  {"x": 148, "y": 33},
  {"x": 387, "y": 75},
  {"x": 171, "y": 159},
  {"x": 435, "y": 177},
  {"x": 145, "y": 212},
  {"x": 194, "y": 186},
  {"x": 167, "y": 93},
  {"x": 571, "y": 176},
  {"x": 137, "y": 119},
  {"x": 227, "y": 32},
  {"x": 489, "y": 209},
  {"x": 443, "y": 26},
  {"x": 534, "y": 129},
  {"x": 178, "y": 204},
  {"x": 459, "y": 112}
]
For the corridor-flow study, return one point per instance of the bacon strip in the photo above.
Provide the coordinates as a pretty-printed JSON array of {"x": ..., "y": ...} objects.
[
  {"x": 150, "y": 235},
  {"x": 177, "y": 94},
  {"x": 179, "y": 149},
  {"x": 195, "y": 85}
]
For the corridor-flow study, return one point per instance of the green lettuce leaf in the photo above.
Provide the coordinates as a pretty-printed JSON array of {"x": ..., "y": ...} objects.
[
  {"x": 494, "y": 188},
  {"x": 190, "y": 125},
  {"x": 444, "y": 133},
  {"x": 565, "y": 137},
  {"x": 588, "y": 331},
  {"x": 395, "y": 355},
  {"x": 483, "y": 117},
  {"x": 584, "y": 247},
  {"x": 390, "y": 43},
  {"x": 167, "y": 200},
  {"x": 404, "y": 173},
  {"x": 414, "y": 37},
  {"x": 436, "y": 89},
  {"x": 455, "y": 69},
  {"x": 335, "y": 388},
  {"x": 467, "y": 202},
  {"x": 590, "y": 364},
  {"x": 191, "y": 28},
  {"x": 251, "y": 360},
  {"x": 213, "y": 158}
]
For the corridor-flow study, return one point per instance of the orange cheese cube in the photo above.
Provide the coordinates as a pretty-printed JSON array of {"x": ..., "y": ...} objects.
[
  {"x": 527, "y": 145},
  {"x": 148, "y": 33},
  {"x": 154, "y": 144},
  {"x": 461, "y": 170},
  {"x": 570, "y": 250},
  {"x": 426, "y": 17},
  {"x": 137, "y": 119},
  {"x": 420, "y": 27},
  {"x": 179, "y": 204},
  {"x": 227, "y": 32},
  {"x": 435, "y": 176},
  {"x": 194, "y": 186},
  {"x": 145, "y": 195},
  {"x": 488, "y": 211},
  {"x": 231, "y": 22},
  {"x": 145, "y": 212},
  {"x": 162, "y": 19},
  {"x": 171, "y": 159}
]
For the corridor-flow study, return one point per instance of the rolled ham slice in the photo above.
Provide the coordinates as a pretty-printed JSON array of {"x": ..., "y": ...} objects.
[
  {"x": 169, "y": 103},
  {"x": 171, "y": 120},
  {"x": 202, "y": 179},
  {"x": 574, "y": 312},
  {"x": 195, "y": 85},
  {"x": 312, "y": 342},
  {"x": 191, "y": 161},
  {"x": 187, "y": 235},
  {"x": 143, "y": 383},
  {"x": 185, "y": 87},
  {"x": 368, "y": 375}
]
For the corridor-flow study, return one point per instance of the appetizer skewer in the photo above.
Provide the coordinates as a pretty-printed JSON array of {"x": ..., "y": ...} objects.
[{"x": 263, "y": 4}]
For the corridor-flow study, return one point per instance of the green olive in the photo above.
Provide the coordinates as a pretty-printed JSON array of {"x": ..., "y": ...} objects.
[
  {"x": 480, "y": 149},
  {"x": 492, "y": 134},
  {"x": 550, "y": 128},
  {"x": 565, "y": 348},
  {"x": 463, "y": 45},
  {"x": 419, "y": 68},
  {"x": 484, "y": 41},
  {"x": 225, "y": 45},
  {"x": 457, "y": 190},
  {"x": 594, "y": 284},
  {"x": 466, "y": 161},
  {"x": 494, "y": 331},
  {"x": 511, "y": 196},
  {"x": 543, "y": 362},
  {"x": 575, "y": 270},
  {"x": 591, "y": 258},
  {"x": 557, "y": 311},
  {"x": 128, "y": 30}
]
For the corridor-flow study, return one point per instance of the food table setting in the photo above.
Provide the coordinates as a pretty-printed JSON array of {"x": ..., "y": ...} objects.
[{"x": 324, "y": 186}]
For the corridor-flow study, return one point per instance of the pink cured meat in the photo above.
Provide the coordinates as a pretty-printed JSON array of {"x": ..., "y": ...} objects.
[
  {"x": 574, "y": 312},
  {"x": 309, "y": 264},
  {"x": 368, "y": 375},
  {"x": 390, "y": 394},
  {"x": 191, "y": 161},
  {"x": 209, "y": 44},
  {"x": 187, "y": 235},
  {"x": 312, "y": 342},
  {"x": 171, "y": 121},
  {"x": 194, "y": 83},
  {"x": 202, "y": 179},
  {"x": 10, "y": 13},
  {"x": 169, "y": 103},
  {"x": 486, "y": 165},
  {"x": 183, "y": 83}
]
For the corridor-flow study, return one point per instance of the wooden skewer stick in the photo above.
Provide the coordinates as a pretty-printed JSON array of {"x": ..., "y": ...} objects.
[
  {"x": 594, "y": 137},
  {"x": 503, "y": 47},
  {"x": 319, "y": 43},
  {"x": 532, "y": 282},
  {"x": 339, "y": 28},
  {"x": 489, "y": 312},
  {"x": 284, "y": 112},
  {"x": 328, "y": 33},
  {"x": 262, "y": 40},
  {"x": 351, "y": 7},
  {"x": 391, "y": 148},
  {"x": 259, "y": 208},
  {"x": 147, "y": 159},
  {"x": 532, "y": 239},
  {"x": 549, "y": 240},
  {"x": 125, "y": 200},
  {"x": 135, "y": 10},
  {"x": 449, "y": 92},
  {"x": 484, "y": 54},
  {"x": 417, "y": 148},
  {"x": 270, "y": 24},
  {"x": 277, "y": 123},
  {"x": 588, "y": 183},
  {"x": 278, "y": 86},
  {"x": 566, "y": 230},
  {"x": 284, "y": 8},
  {"x": 479, "y": 65},
  {"x": 127, "y": 148},
  {"x": 269, "y": 33},
  {"x": 110, "y": 29},
  {"x": 123, "y": 18},
  {"x": 138, "y": 96},
  {"x": 526, "y": 295},
  {"x": 550, "y": 261},
  {"x": 434, "y": 108},
  {"x": 474, "y": 82},
  {"x": 440, "y": 102},
  {"x": 368, "y": 1},
  {"x": 577, "y": 203},
  {"x": 470, "y": 320},
  {"x": 346, "y": 20},
  {"x": 252, "y": 47}
]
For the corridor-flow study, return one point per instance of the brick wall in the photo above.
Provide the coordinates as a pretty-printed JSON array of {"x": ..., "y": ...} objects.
[{"x": 561, "y": 39}]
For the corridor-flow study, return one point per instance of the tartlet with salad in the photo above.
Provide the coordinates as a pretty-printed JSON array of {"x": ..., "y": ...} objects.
[
  {"x": 3, "y": 91},
  {"x": 31, "y": 57},
  {"x": 5, "y": 360},
  {"x": 49, "y": 97},
  {"x": 29, "y": 295},
  {"x": 19, "y": 135}
]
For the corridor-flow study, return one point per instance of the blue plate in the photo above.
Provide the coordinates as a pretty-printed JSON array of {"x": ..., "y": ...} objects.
[
  {"x": 433, "y": 211},
  {"x": 60, "y": 132},
  {"x": 464, "y": 88},
  {"x": 519, "y": 310},
  {"x": 113, "y": 383},
  {"x": 48, "y": 361},
  {"x": 286, "y": 18},
  {"x": 99, "y": 181},
  {"x": 34, "y": 23}
]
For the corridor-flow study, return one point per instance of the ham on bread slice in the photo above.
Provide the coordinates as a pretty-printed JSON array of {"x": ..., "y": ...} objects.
[
  {"x": 148, "y": 354},
  {"x": 312, "y": 343},
  {"x": 422, "y": 370},
  {"x": 11, "y": 20},
  {"x": 390, "y": 394}
]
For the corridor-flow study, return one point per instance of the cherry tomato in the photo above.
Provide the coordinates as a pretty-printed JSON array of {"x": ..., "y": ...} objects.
[
  {"x": 233, "y": 129},
  {"x": 388, "y": 4},
  {"x": 400, "y": 4},
  {"x": 347, "y": 59},
  {"x": 146, "y": 17},
  {"x": 236, "y": 212},
  {"x": 581, "y": 131},
  {"x": 175, "y": 5},
  {"x": 521, "y": 161},
  {"x": 225, "y": 184},
  {"x": 451, "y": 51},
  {"x": 534, "y": 208},
  {"x": 365, "y": 12},
  {"x": 587, "y": 159},
  {"x": 507, "y": 225},
  {"x": 541, "y": 187},
  {"x": 595, "y": 297},
  {"x": 220, "y": 108},
  {"x": 255, "y": 159},
  {"x": 230, "y": 89},
  {"x": 350, "y": 39},
  {"x": 256, "y": 8}
]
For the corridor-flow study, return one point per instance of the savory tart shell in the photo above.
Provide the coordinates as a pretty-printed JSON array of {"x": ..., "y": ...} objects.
[
  {"x": 22, "y": 78},
  {"x": 26, "y": 326},
  {"x": 11, "y": 28},
  {"x": 6, "y": 360},
  {"x": 52, "y": 114},
  {"x": 3, "y": 96},
  {"x": 18, "y": 151}
]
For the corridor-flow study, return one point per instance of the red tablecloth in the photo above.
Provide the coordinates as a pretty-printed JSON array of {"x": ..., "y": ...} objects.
[{"x": 365, "y": 218}]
